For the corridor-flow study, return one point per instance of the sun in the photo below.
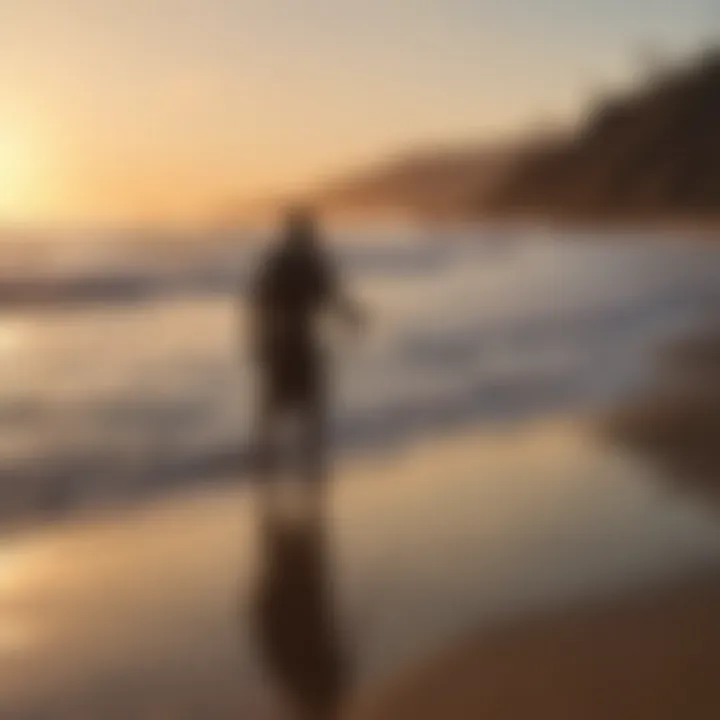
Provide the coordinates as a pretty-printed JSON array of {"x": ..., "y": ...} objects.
[{"x": 17, "y": 176}]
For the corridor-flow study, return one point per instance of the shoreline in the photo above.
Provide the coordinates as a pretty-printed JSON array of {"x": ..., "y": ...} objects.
[{"x": 539, "y": 219}]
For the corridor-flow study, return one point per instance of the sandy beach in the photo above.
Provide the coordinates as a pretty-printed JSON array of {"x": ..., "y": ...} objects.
[
  {"x": 645, "y": 655},
  {"x": 651, "y": 656}
]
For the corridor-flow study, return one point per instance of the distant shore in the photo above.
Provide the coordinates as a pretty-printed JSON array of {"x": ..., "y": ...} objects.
[{"x": 697, "y": 227}]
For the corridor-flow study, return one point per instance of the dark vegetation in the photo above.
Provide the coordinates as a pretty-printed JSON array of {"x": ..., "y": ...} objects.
[{"x": 652, "y": 153}]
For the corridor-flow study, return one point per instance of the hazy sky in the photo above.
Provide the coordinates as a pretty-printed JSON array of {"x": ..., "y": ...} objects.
[{"x": 125, "y": 109}]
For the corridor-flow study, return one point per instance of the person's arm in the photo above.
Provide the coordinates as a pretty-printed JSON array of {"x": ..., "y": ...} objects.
[
  {"x": 350, "y": 311},
  {"x": 344, "y": 307}
]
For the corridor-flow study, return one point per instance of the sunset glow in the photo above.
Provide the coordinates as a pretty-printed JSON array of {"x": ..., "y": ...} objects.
[
  {"x": 19, "y": 181},
  {"x": 174, "y": 109}
]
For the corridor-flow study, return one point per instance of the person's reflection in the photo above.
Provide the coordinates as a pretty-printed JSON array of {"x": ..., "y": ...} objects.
[{"x": 294, "y": 611}]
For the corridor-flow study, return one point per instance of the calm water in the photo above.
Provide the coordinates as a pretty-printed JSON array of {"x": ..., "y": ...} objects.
[{"x": 470, "y": 484}]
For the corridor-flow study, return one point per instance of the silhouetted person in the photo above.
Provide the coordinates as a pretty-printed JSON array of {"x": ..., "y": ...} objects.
[{"x": 294, "y": 286}]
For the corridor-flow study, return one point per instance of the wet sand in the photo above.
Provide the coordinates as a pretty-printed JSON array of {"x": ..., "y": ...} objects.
[
  {"x": 153, "y": 612},
  {"x": 651, "y": 655},
  {"x": 676, "y": 424}
]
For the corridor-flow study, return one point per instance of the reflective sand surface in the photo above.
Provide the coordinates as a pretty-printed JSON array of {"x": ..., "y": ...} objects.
[{"x": 148, "y": 612}]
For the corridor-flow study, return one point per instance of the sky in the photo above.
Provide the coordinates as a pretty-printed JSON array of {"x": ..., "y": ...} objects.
[{"x": 168, "y": 110}]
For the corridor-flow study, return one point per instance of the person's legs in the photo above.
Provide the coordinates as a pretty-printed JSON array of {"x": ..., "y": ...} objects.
[
  {"x": 314, "y": 436},
  {"x": 270, "y": 415},
  {"x": 265, "y": 440}
]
